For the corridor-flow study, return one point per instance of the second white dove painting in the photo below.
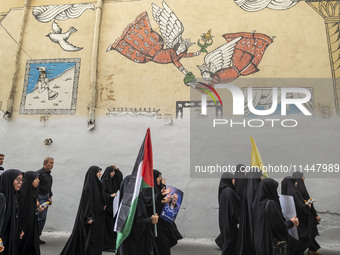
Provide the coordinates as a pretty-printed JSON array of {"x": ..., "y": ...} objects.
[{"x": 59, "y": 34}]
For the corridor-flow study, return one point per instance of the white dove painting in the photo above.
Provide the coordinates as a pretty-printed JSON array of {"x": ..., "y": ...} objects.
[{"x": 57, "y": 36}]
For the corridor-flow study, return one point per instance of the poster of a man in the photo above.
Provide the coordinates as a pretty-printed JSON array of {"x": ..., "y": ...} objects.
[{"x": 170, "y": 210}]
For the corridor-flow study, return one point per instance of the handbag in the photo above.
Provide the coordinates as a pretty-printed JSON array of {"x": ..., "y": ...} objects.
[{"x": 278, "y": 247}]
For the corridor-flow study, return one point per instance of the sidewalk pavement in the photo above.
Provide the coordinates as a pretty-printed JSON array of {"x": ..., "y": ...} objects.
[{"x": 55, "y": 242}]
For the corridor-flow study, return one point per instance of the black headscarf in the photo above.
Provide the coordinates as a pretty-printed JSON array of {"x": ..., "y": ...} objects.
[
  {"x": 268, "y": 223},
  {"x": 28, "y": 196},
  {"x": 113, "y": 184},
  {"x": 90, "y": 208},
  {"x": 288, "y": 188},
  {"x": 225, "y": 181},
  {"x": 301, "y": 185},
  {"x": 10, "y": 229},
  {"x": 240, "y": 181},
  {"x": 158, "y": 188},
  {"x": 229, "y": 213}
]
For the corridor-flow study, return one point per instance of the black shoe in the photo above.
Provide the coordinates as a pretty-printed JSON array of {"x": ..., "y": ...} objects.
[{"x": 41, "y": 241}]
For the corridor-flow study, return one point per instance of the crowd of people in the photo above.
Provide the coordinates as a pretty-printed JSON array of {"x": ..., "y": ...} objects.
[
  {"x": 26, "y": 196},
  {"x": 251, "y": 219}
]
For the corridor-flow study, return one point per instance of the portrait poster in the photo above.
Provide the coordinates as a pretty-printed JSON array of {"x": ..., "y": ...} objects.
[{"x": 171, "y": 209}]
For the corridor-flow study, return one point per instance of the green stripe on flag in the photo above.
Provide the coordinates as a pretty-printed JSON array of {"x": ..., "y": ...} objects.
[
  {"x": 121, "y": 236},
  {"x": 144, "y": 185}
]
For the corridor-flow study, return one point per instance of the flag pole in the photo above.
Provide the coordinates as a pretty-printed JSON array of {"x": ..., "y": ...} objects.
[{"x": 154, "y": 207}]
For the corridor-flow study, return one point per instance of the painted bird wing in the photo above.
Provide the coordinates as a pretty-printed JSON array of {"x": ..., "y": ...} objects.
[
  {"x": 221, "y": 57},
  {"x": 55, "y": 27},
  {"x": 65, "y": 45},
  {"x": 170, "y": 26}
]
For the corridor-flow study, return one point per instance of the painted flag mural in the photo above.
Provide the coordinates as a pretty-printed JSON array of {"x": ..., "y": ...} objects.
[{"x": 141, "y": 177}]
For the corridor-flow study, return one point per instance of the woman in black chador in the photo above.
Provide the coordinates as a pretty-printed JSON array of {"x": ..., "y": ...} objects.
[
  {"x": 297, "y": 247},
  {"x": 141, "y": 240},
  {"x": 168, "y": 234},
  {"x": 11, "y": 181},
  {"x": 229, "y": 213},
  {"x": 87, "y": 234},
  {"x": 314, "y": 246},
  {"x": 245, "y": 238},
  {"x": 269, "y": 224},
  {"x": 111, "y": 180},
  {"x": 2, "y": 213},
  {"x": 29, "y": 245}
]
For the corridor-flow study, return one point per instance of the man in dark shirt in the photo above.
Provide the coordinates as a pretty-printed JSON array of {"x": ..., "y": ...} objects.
[
  {"x": 44, "y": 192},
  {"x": 2, "y": 158}
]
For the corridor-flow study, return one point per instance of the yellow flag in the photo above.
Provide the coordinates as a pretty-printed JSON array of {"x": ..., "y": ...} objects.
[{"x": 256, "y": 159}]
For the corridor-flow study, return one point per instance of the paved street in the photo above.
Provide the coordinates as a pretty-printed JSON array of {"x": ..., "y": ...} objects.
[{"x": 55, "y": 243}]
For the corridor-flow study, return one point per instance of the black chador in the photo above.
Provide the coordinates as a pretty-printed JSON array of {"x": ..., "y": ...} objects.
[
  {"x": 289, "y": 187},
  {"x": 2, "y": 209},
  {"x": 245, "y": 239},
  {"x": 269, "y": 224},
  {"x": 86, "y": 238},
  {"x": 110, "y": 186},
  {"x": 168, "y": 234},
  {"x": 141, "y": 240},
  {"x": 29, "y": 245},
  {"x": 229, "y": 212},
  {"x": 314, "y": 246},
  {"x": 10, "y": 229}
]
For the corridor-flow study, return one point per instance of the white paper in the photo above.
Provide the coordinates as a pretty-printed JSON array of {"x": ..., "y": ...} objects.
[
  {"x": 116, "y": 203},
  {"x": 288, "y": 211}
]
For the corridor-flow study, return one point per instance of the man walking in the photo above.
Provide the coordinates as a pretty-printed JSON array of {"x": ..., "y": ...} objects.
[
  {"x": 44, "y": 192},
  {"x": 2, "y": 158}
]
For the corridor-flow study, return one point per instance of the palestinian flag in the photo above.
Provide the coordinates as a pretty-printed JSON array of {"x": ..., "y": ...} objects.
[{"x": 141, "y": 177}]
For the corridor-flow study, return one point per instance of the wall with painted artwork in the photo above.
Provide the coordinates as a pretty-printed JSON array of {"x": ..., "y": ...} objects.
[{"x": 48, "y": 83}]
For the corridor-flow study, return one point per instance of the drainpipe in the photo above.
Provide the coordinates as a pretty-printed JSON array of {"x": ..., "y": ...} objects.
[
  {"x": 20, "y": 37},
  {"x": 94, "y": 64}
]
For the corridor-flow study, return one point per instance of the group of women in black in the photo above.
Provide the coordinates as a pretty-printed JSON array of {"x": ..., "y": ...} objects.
[
  {"x": 251, "y": 219},
  {"x": 18, "y": 208},
  {"x": 93, "y": 227},
  {"x": 18, "y": 222},
  {"x": 142, "y": 239}
]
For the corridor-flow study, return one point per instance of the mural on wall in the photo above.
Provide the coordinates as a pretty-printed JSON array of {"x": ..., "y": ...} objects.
[
  {"x": 141, "y": 44},
  {"x": 240, "y": 56},
  {"x": 61, "y": 38},
  {"x": 329, "y": 10},
  {"x": 48, "y": 13},
  {"x": 258, "y": 5},
  {"x": 50, "y": 86},
  {"x": 61, "y": 12},
  {"x": 134, "y": 112}
]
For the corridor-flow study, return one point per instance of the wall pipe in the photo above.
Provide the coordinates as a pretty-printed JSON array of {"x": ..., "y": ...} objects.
[
  {"x": 10, "y": 101},
  {"x": 94, "y": 65}
]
